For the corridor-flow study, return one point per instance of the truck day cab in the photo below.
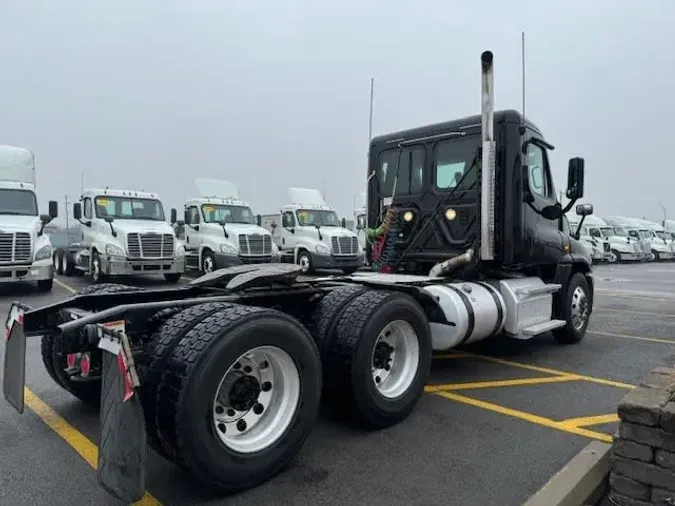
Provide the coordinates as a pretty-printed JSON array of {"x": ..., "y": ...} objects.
[
  {"x": 25, "y": 250},
  {"x": 219, "y": 229},
  {"x": 224, "y": 376},
  {"x": 123, "y": 233},
  {"x": 312, "y": 236}
]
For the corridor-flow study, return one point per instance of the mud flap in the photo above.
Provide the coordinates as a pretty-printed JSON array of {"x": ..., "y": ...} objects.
[
  {"x": 14, "y": 373},
  {"x": 122, "y": 443}
]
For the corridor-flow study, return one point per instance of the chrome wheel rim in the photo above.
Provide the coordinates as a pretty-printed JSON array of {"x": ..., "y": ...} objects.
[
  {"x": 579, "y": 308},
  {"x": 256, "y": 399},
  {"x": 395, "y": 359}
]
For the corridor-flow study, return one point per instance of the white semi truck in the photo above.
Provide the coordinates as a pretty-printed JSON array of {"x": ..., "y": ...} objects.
[
  {"x": 622, "y": 246},
  {"x": 124, "y": 233},
  {"x": 219, "y": 229},
  {"x": 309, "y": 233},
  {"x": 663, "y": 246},
  {"x": 598, "y": 246},
  {"x": 25, "y": 250},
  {"x": 632, "y": 227},
  {"x": 360, "y": 223}
]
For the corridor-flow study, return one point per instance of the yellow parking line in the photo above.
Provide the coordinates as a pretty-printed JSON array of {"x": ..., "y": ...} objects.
[
  {"x": 498, "y": 383},
  {"x": 635, "y": 338},
  {"x": 632, "y": 311},
  {"x": 64, "y": 286},
  {"x": 78, "y": 441},
  {"x": 547, "y": 370},
  {"x": 528, "y": 417},
  {"x": 586, "y": 421}
]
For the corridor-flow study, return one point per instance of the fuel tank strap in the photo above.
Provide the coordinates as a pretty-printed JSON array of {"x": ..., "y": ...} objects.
[
  {"x": 469, "y": 311},
  {"x": 500, "y": 309}
]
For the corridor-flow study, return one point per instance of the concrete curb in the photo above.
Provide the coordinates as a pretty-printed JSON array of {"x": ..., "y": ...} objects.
[{"x": 581, "y": 482}]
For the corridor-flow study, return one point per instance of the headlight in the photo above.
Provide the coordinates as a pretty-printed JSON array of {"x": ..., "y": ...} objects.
[
  {"x": 408, "y": 216},
  {"x": 180, "y": 251},
  {"x": 114, "y": 251},
  {"x": 322, "y": 249},
  {"x": 43, "y": 253},
  {"x": 228, "y": 249}
]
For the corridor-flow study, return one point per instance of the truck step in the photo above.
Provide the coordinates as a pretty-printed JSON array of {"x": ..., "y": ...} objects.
[
  {"x": 527, "y": 292},
  {"x": 540, "y": 328}
]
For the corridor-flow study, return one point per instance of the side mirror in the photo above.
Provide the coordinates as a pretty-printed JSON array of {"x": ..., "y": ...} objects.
[
  {"x": 584, "y": 209},
  {"x": 258, "y": 220},
  {"x": 77, "y": 211},
  {"x": 575, "y": 178},
  {"x": 343, "y": 222},
  {"x": 53, "y": 209},
  {"x": 274, "y": 225},
  {"x": 174, "y": 215},
  {"x": 45, "y": 218},
  {"x": 180, "y": 223},
  {"x": 109, "y": 219}
]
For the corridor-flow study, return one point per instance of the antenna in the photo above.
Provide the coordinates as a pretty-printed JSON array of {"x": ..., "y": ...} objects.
[
  {"x": 370, "y": 113},
  {"x": 522, "y": 47}
]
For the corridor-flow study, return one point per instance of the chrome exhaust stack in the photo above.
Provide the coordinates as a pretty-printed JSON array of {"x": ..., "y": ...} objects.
[{"x": 487, "y": 197}]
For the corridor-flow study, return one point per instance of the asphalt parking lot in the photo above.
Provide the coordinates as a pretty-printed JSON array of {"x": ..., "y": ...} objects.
[{"x": 498, "y": 421}]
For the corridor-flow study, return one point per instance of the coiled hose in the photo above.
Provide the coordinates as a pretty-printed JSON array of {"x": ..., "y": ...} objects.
[{"x": 384, "y": 240}]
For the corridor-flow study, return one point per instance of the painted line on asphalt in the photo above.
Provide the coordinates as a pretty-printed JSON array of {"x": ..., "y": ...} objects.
[
  {"x": 498, "y": 383},
  {"x": 64, "y": 286},
  {"x": 77, "y": 441},
  {"x": 635, "y": 338},
  {"x": 587, "y": 421},
  {"x": 530, "y": 367},
  {"x": 528, "y": 417}
]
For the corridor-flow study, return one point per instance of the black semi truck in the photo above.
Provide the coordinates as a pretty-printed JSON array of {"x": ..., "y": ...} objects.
[{"x": 224, "y": 376}]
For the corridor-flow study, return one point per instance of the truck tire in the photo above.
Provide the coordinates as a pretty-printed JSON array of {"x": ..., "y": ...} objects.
[
  {"x": 208, "y": 262},
  {"x": 380, "y": 357},
  {"x": 576, "y": 311},
  {"x": 325, "y": 314},
  {"x": 97, "y": 274},
  {"x": 617, "y": 256},
  {"x": 305, "y": 263},
  {"x": 270, "y": 367},
  {"x": 160, "y": 346},
  {"x": 54, "y": 359}
]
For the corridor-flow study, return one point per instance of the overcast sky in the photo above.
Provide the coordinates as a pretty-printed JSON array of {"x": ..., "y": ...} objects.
[{"x": 148, "y": 94}]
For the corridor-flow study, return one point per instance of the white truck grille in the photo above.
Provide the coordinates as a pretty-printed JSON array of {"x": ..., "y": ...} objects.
[
  {"x": 15, "y": 247},
  {"x": 150, "y": 245},
  {"x": 255, "y": 244},
  {"x": 345, "y": 245}
]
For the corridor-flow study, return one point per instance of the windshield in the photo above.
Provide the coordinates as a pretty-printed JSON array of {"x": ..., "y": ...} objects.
[
  {"x": 128, "y": 208},
  {"x": 607, "y": 231},
  {"x": 662, "y": 235},
  {"x": 595, "y": 232},
  {"x": 322, "y": 218},
  {"x": 634, "y": 233},
  {"x": 216, "y": 213},
  {"x": 620, "y": 232},
  {"x": 647, "y": 234},
  {"x": 18, "y": 202}
]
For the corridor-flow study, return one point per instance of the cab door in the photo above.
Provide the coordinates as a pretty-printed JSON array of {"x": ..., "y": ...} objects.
[
  {"x": 193, "y": 238},
  {"x": 543, "y": 237}
]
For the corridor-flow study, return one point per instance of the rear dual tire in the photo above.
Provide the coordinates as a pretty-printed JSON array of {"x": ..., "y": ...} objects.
[{"x": 376, "y": 352}]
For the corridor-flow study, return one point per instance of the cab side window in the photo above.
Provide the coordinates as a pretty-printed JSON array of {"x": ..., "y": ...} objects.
[
  {"x": 288, "y": 219},
  {"x": 192, "y": 215},
  {"x": 596, "y": 233},
  {"x": 538, "y": 171},
  {"x": 87, "y": 208}
]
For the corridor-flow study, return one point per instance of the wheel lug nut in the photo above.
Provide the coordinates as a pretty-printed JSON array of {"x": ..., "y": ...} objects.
[
  {"x": 387, "y": 367},
  {"x": 241, "y": 425},
  {"x": 266, "y": 386},
  {"x": 219, "y": 410},
  {"x": 237, "y": 365},
  {"x": 221, "y": 427},
  {"x": 377, "y": 379},
  {"x": 264, "y": 364},
  {"x": 258, "y": 409},
  {"x": 247, "y": 369},
  {"x": 231, "y": 412}
]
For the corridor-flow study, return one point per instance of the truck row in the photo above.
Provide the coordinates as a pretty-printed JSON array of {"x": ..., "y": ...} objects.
[{"x": 224, "y": 376}]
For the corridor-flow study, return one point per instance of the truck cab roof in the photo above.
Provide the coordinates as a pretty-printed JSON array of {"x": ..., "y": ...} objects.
[
  {"x": 466, "y": 123},
  {"x": 16, "y": 185},
  {"x": 91, "y": 192},
  {"x": 195, "y": 201}
]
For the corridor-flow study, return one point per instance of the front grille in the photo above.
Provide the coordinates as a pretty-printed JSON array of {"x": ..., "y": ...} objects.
[
  {"x": 606, "y": 246},
  {"x": 150, "y": 245},
  {"x": 15, "y": 248},
  {"x": 345, "y": 245},
  {"x": 255, "y": 244},
  {"x": 646, "y": 247}
]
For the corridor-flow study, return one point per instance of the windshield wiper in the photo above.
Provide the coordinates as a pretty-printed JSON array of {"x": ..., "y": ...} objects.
[{"x": 15, "y": 213}]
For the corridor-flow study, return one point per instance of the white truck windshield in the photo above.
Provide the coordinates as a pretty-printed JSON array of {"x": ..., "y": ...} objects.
[
  {"x": 126, "y": 208},
  {"x": 216, "y": 213},
  {"x": 18, "y": 202},
  {"x": 620, "y": 232},
  {"x": 607, "y": 232},
  {"x": 309, "y": 217}
]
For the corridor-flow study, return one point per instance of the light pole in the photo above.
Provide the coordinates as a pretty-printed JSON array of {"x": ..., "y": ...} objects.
[{"x": 665, "y": 213}]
